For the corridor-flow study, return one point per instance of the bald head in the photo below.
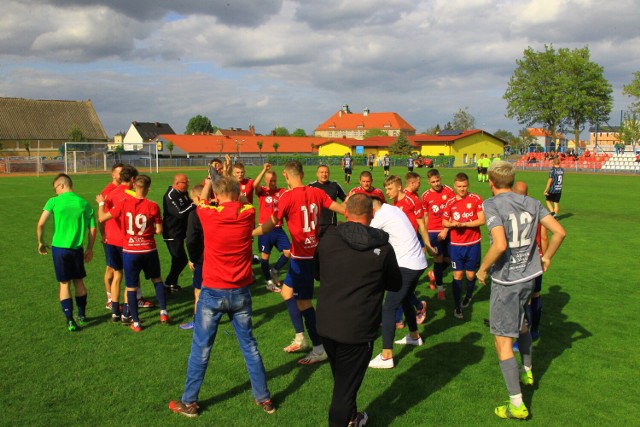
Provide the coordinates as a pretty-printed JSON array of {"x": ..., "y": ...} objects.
[
  {"x": 521, "y": 188},
  {"x": 181, "y": 182}
]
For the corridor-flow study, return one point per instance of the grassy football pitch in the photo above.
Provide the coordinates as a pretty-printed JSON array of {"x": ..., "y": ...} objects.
[{"x": 107, "y": 375}]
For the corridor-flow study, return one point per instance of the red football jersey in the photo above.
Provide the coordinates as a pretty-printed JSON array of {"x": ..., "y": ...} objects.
[
  {"x": 108, "y": 189},
  {"x": 301, "y": 206},
  {"x": 409, "y": 207},
  {"x": 227, "y": 244},
  {"x": 374, "y": 192},
  {"x": 433, "y": 204},
  {"x": 138, "y": 219},
  {"x": 112, "y": 228},
  {"x": 246, "y": 189},
  {"x": 268, "y": 203},
  {"x": 464, "y": 210}
]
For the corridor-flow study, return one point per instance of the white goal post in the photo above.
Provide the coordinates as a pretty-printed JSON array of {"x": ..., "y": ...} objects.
[{"x": 87, "y": 157}]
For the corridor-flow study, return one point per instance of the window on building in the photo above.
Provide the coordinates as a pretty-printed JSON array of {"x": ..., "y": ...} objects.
[{"x": 465, "y": 158}]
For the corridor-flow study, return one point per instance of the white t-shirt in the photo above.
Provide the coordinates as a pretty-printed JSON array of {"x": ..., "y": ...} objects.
[{"x": 402, "y": 236}]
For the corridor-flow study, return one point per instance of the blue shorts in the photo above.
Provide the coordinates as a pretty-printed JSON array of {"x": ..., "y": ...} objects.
[
  {"x": 197, "y": 277},
  {"x": 68, "y": 263},
  {"x": 465, "y": 258},
  {"x": 275, "y": 238},
  {"x": 113, "y": 256},
  {"x": 149, "y": 262},
  {"x": 300, "y": 278},
  {"x": 537, "y": 284},
  {"x": 442, "y": 245}
]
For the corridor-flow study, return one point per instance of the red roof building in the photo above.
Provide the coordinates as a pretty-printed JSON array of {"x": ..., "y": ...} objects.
[{"x": 345, "y": 124}]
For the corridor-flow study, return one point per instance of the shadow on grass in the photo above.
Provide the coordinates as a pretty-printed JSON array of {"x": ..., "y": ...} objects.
[
  {"x": 564, "y": 216},
  {"x": 402, "y": 396}
]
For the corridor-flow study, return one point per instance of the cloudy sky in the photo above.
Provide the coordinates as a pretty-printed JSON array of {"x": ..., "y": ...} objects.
[{"x": 294, "y": 63}]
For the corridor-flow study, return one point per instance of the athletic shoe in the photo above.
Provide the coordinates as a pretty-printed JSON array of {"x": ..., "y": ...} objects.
[
  {"x": 186, "y": 326},
  {"x": 272, "y": 287},
  {"x": 135, "y": 328},
  {"x": 190, "y": 410},
  {"x": 274, "y": 276},
  {"x": 126, "y": 321},
  {"x": 115, "y": 318},
  {"x": 458, "y": 313},
  {"x": 509, "y": 411},
  {"x": 267, "y": 406},
  {"x": 165, "y": 319},
  {"x": 526, "y": 377},
  {"x": 81, "y": 320},
  {"x": 441, "y": 296},
  {"x": 172, "y": 288},
  {"x": 144, "y": 303},
  {"x": 422, "y": 313},
  {"x": 313, "y": 357},
  {"x": 466, "y": 301},
  {"x": 255, "y": 259},
  {"x": 399, "y": 325},
  {"x": 360, "y": 420},
  {"x": 297, "y": 345},
  {"x": 72, "y": 326},
  {"x": 379, "y": 363},
  {"x": 108, "y": 305},
  {"x": 408, "y": 340}
]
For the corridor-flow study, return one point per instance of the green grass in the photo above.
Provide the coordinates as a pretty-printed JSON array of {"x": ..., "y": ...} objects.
[{"x": 106, "y": 375}]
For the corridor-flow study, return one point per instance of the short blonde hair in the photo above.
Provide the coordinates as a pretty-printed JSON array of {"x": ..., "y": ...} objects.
[{"x": 502, "y": 174}]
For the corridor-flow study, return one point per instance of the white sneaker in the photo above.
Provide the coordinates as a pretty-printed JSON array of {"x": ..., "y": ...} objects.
[
  {"x": 313, "y": 357},
  {"x": 272, "y": 287},
  {"x": 274, "y": 276},
  {"x": 407, "y": 340},
  {"x": 297, "y": 345},
  {"x": 379, "y": 363}
]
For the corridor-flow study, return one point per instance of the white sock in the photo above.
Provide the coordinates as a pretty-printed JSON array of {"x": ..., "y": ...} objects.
[
  {"x": 318, "y": 349},
  {"x": 516, "y": 400},
  {"x": 526, "y": 368}
]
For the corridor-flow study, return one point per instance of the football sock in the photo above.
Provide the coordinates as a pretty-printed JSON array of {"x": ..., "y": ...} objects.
[
  {"x": 525, "y": 346},
  {"x": 516, "y": 400},
  {"x": 282, "y": 261},
  {"x": 294, "y": 315},
  {"x": 264, "y": 266},
  {"x": 509, "y": 368},
  {"x": 536, "y": 313},
  {"x": 67, "y": 308},
  {"x": 139, "y": 293},
  {"x": 456, "y": 285},
  {"x": 108, "y": 296},
  {"x": 81, "y": 302},
  {"x": 133, "y": 308},
  {"x": 438, "y": 272},
  {"x": 115, "y": 308},
  {"x": 160, "y": 295},
  {"x": 125, "y": 310},
  {"x": 471, "y": 286},
  {"x": 309, "y": 316}
]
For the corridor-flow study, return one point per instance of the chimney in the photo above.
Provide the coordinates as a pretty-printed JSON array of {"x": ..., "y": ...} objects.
[
  {"x": 345, "y": 108},
  {"x": 252, "y": 129},
  {"x": 365, "y": 112},
  {"x": 340, "y": 113}
]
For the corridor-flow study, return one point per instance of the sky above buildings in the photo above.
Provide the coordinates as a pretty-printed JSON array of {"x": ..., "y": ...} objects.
[{"x": 294, "y": 63}]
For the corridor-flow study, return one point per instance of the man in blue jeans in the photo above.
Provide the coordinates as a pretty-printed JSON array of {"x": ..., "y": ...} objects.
[{"x": 226, "y": 277}]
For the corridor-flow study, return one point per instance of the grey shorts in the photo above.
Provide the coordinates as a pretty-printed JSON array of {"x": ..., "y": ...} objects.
[{"x": 507, "y": 307}]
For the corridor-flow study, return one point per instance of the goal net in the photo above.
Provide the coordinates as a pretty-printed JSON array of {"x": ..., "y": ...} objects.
[{"x": 88, "y": 157}]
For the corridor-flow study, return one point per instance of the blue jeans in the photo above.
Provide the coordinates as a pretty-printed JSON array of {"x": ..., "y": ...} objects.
[{"x": 213, "y": 303}]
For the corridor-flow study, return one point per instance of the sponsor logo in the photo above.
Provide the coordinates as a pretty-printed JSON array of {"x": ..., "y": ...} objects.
[
  {"x": 467, "y": 215},
  {"x": 435, "y": 208},
  {"x": 456, "y": 216},
  {"x": 469, "y": 205}
]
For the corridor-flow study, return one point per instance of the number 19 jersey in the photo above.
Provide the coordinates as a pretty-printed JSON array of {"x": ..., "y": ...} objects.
[
  {"x": 301, "y": 206},
  {"x": 138, "y": 219}
]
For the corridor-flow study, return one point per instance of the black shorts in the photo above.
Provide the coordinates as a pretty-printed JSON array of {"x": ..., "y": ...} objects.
[
  {"x": 386, "y": 168},
  {"x": 483, "y": 171},
  {"x": 347, "y": 171},
  {"x": 554, "y": 197}
]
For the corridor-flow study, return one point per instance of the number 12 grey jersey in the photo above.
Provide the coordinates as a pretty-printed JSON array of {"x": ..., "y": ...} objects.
[{"x": 519, "y": 215}]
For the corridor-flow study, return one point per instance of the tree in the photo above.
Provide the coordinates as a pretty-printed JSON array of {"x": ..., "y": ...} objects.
[
  {"x": 27, "y": 146},
  {"x": 76, "y": 135},
  {"x": 375, "y": 132},
  {"x": 463, "y": 120},
  {"x": 119, "y": 150},
  {"x": 448, "y": 126},
  {"x": 170, "y": 147},
  {"x": 507, "y": 136},
  {"x": 260, "y": 144},
  {"x": 313, "y": 147},
  {"x": 199, "y": 124},
  {"x": 536, "y": 90},
  {"x": 299, "y": 132},
  {"x": 524, "y": 140},
  {"x": 281, "y": 131},
  {"x": 633, "y": 90},
  {"x": 401, "y": 146},
  {"x": 630, "y": 130},
  {"x": 433, "y": 131},
  {"x": 588, "y": 95},
  {"x": 275, "y": 147}
]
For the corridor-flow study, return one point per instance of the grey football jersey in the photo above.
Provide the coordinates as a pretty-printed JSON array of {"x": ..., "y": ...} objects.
[{"x": 519, "y": 215}]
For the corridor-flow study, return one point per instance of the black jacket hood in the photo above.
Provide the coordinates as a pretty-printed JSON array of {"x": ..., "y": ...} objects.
[{"x": 361, "y": 237}]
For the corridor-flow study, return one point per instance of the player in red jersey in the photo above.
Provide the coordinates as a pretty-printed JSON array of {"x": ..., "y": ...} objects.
[
  {"x": 300, "y": 206},
  {"x": 246, "y": 184},
  {"x": 463, "y": 215},
  {"x": 140, "y": 220},
  {"x": 434, "y": 201},
  {"x": 268, "y": 201},
  {"x": 366, "y": 187},
  {"x": 108, "y": 272}
]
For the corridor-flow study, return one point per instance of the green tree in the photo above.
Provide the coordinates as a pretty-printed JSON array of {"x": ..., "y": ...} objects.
[
  {"x": 630, "y": 130},
  {"x": 375, "y": 132},
  {"x": 260, "y": 143},
  {"x": 76, "y": 135},
  {"x": 27, "y": 146},
  {"x": 524, "y": 140},
  {"x": 119, "y": 150},
  {"x": 199, "y": 124},
  {"x": 463, "y": 120},
  {"x": 401, "y": 146},
  {"x": 588, "y": 95},
  {"x": 507, "y": 136},
  {"x": 170, "y": 147},
  {"x": 433, "y": 131},
  {"x": 536, "y": 90},
  {"x": 281, "y": 131},
  {"x": 313, "y": 147},
  {"x": 633, "y": 90},
  {"x": 299, "y": 132},
  {"x": 275, "y": 147},
  {"x": 448, "y": 126}
]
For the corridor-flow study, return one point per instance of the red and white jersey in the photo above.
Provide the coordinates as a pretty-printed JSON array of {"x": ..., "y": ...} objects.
[
  {"x": 268, "y": 203},
  {"x": 301, "y": 207},
  {"x": 373, "y": 192},
  {"x": 246, "y": 189},
  {"x": 464, "y": 210},
  {"x": 409, "y": 207},
  {"x": 112, "y": 228},
  {"x": 138, "y": 219},
  {"x": 108, "y": 189},
  {"x": 433, "y": 204},
  {"x": 227, "y": 244}
]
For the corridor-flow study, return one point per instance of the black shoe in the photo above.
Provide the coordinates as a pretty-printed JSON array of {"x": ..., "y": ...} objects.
[
  {"x": 360, "y": 420},
  {"x": 466, "y": 301},
  {"x": 126, "y": 321},
  {"x": 172, "y": 288}
]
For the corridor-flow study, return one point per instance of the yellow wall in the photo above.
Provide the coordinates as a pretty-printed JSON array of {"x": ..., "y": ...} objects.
[
  {"x": 333, "y": 149},
  {"x": 475, "y": 144}
]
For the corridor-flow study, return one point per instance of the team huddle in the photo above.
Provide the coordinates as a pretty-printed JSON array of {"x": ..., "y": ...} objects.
[{"x": 382, "y": 245}]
